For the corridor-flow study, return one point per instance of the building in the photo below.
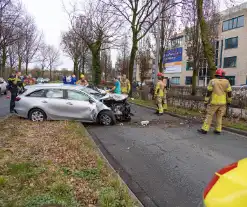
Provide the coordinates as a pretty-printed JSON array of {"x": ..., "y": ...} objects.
[{"x": 230, "y": 51}]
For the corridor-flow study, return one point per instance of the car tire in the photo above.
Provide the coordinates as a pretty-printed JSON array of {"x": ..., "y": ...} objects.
[
  {"x": 107, "y": 118},
  {"x": 37, "y": 115},
  {"x": 5, "y": 93}
]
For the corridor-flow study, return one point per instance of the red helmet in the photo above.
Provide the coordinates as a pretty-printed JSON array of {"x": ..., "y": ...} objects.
[
  {"x": 220, "y": 72},
  {"x": 159, "y": 74}
]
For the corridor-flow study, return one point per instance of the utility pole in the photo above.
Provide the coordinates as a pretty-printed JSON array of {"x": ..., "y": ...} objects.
[{"x": 157, "y": 46}]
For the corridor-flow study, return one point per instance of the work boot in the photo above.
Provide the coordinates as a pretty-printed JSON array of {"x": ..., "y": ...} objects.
[
  {"x": 156, "y": 112},
  {"x": 217, "y": 132},
  {"x": 160, "y": 114},
  {"x": 201, "y": 131}
]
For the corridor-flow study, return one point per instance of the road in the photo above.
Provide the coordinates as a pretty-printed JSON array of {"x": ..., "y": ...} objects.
[
  {"x": 4, "y": 106},
  {"x": 166, "y": 163}
]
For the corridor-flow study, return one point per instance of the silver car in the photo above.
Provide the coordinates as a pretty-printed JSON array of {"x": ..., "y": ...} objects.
[{"x": 62, "y": 102}]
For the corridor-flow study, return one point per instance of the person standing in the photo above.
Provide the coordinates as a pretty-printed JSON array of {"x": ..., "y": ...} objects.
[
  {"x": 14, "y": 85},
  {"x": 165, "y": 94},
  {"x": 117, "y": 86},
  {"x": 125, "y": 85},
  {"x": 159, "y": 94},
  {"x": 29, "y": 80},
  {"x": 82, "y": 81},
  {"x": 73, "y": 80},
  {"x": 220, "y": 92}
]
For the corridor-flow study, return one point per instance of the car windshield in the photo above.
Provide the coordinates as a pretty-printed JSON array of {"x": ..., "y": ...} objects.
[{"x": 95, "y": 94}]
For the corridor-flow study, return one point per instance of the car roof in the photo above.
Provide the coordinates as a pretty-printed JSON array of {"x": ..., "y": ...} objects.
[{"x": 54, "y": 85}]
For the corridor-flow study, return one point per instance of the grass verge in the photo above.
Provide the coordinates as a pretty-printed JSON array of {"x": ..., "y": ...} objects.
[
  {"x": 233, "y": 123},
  {"x": 54, "y": 163}
]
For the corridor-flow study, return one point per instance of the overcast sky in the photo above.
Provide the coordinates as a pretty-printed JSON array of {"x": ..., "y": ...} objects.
[{"x": 51, "y": 19}]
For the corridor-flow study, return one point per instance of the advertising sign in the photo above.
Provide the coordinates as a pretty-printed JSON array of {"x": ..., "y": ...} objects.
[{"x": 172, "y": 60}]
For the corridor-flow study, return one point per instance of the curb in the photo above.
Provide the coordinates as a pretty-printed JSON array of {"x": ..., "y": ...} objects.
[
  {"x": 104, "y": 154},
  {"x": 5, "y": 117},
  {"x": 228, "y": 129}
]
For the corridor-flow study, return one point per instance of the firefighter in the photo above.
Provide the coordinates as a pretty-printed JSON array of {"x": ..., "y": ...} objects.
[
  {"x": 165, "y": 93},
  {"x": 159, "y": 93},
  {"x": 220, "y": 92},
  {"x": 15, "y": 84},
  {"x": 125, "y": 85}
]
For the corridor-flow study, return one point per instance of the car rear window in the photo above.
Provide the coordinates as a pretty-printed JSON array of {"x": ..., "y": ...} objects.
[{"x": 38, "y": 93}]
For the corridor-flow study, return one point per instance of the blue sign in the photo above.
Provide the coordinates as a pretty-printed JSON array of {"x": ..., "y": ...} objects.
[{"x": 173, "y": 55}]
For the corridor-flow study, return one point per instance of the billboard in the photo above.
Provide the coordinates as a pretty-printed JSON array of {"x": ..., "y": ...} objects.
[{"x": 172, "y": 60}]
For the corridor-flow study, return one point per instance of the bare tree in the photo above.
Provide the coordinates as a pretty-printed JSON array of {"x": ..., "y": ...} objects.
[
  {"x": 137, "y": 14},
  {"x": 143, "y": 58},
  {"x": 97, "y": 27},
  {"x": 43, "y": 53},
  {"x": 194, "y": 42},
  {"x": 53, "y": 57},
  {"x": 167, "y": 31},
  {"x": 32, "y": 40},
  {"x": 76, "y": 49},
  {"x": 10, "y": 13},
  {"x": 106, "y": 64}
]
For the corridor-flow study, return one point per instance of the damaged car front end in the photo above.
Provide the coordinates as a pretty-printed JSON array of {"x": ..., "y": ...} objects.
[{"x": 118, "y": 103}]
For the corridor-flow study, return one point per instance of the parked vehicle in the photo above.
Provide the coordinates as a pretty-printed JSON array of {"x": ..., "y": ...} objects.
[
  {"x": 40, "y": 80},
  {"x": 228, "y": 187},
  {"x": 65, "y": 102},
  {"x": 3, "y": 86}
]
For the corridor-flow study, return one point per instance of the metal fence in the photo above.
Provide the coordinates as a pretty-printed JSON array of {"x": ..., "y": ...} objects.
[{"x": 180, "y": 96}]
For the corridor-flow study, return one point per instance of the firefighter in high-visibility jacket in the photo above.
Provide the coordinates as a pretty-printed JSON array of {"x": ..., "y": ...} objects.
[
  {"x": 159, "y": 93},
  {"x": 165, "y": 92},
  {"x": 219, "y": 94},
  {"x": 125, "y": 85}
]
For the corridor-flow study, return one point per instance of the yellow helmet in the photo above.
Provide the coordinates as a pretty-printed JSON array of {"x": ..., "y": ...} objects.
[{"x": 82, "y": 75}]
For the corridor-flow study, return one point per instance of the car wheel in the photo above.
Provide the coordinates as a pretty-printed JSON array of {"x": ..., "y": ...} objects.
[
  {"x": 37, "y": 115},
  {"x": 5, "y": 93},
  {"x": 107, "y": 118}
]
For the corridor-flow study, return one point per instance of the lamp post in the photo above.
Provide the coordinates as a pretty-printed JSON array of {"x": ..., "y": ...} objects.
[{"x": 157, "y": 46}]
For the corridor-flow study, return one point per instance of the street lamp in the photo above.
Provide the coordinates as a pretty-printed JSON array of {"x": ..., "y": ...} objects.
[{"x": 157, "y": 46}]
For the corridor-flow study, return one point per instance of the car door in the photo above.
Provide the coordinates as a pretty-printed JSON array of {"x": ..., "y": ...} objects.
[
  {"x": 80, "y": 108},
  {"x": 57, "y": 107}
]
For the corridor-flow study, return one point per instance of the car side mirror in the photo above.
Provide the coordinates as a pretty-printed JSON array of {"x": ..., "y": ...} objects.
[{"x": 91, "y": 101}]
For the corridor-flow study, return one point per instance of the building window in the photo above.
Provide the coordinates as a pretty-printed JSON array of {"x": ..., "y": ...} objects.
[
  {"x": 233, "y": 23},
  {"x": 231, "y": 79},
  {"x": 230, "y": 62},
  {"x": 189, "y": 65},
  {"x": 231, "y": 43},
  {"x": 188, "y": 80},
  {"x": 175, "y": 80}
]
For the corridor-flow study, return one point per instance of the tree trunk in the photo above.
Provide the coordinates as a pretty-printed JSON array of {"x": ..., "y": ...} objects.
[
  {"x": 19, "y": 64},
  {"x": 26, "y": 67},
  {"x": 42, "y": 72},
  {"x": 194, "y": 81},
  {"x": 132, "y": 59},
  {"x": 96, "y": 66},
  {"x": 76, "y": 70},
  {"x": 162, "y": 49},
  {"x": 50, "y": 73},
  {"x": 207, "y": 46},
  {"x": 4, "y": 59}
]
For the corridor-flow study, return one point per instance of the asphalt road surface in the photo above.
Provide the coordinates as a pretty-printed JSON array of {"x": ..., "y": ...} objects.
[
  {"x": 167, "y": 163},
  {"x": 4, "y": 106}
]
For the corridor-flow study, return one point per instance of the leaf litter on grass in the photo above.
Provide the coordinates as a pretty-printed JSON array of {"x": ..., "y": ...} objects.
[{"x": 54, "y": 163}]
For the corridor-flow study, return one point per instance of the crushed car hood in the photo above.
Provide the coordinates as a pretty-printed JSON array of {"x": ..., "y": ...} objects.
[{"x": 115, "y": 97}]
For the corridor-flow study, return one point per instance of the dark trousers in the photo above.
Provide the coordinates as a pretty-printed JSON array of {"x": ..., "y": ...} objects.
[{"x": 12, "y": 100}]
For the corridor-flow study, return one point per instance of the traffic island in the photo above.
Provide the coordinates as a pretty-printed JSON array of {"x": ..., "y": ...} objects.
[{"x": 55, "y": 163}]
